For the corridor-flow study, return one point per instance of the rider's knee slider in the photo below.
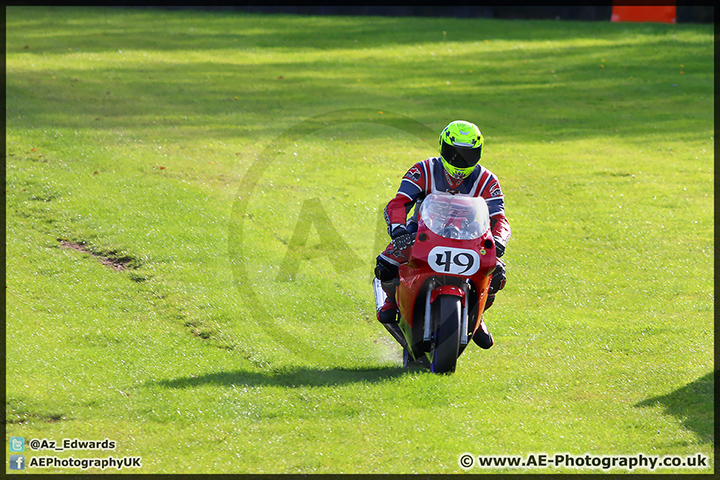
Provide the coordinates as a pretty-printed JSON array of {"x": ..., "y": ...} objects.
[{"x": 385, "y": 272}]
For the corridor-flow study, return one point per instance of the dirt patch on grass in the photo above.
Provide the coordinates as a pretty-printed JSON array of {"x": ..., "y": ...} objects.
[
  {"x": 108, "y": 259},
  {"x": 24, "y": 418}
]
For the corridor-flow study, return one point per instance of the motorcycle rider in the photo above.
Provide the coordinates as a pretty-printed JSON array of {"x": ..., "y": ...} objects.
[{"x": 455, "y": 171}]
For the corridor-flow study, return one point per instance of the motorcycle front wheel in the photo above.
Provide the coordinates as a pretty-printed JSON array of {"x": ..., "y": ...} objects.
[{"x": 446, "y": 344}]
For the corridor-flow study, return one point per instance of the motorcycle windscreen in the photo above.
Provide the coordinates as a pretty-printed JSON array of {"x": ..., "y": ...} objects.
[{"x": 455, "y": 216}]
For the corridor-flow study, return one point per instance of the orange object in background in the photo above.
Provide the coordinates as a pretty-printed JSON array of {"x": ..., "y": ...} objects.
[{"x": 636, "y": 13}]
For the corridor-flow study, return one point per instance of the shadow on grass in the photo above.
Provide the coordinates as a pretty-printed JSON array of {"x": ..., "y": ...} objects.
[
  {"x": 289, "y": 377},
  {"x": 693, "y": 405}
]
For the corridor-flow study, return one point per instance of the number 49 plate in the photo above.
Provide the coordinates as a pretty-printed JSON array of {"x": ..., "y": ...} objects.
[{"x": 457, "y": 261}]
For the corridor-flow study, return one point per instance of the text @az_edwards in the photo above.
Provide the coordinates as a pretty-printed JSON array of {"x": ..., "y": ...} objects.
[{"x": 71, "y": 444}]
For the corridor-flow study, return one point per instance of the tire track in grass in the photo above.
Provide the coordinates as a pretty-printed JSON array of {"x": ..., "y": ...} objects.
[
  {"x": 109, "y": 259},
  {"x": 121, "y": 263}
]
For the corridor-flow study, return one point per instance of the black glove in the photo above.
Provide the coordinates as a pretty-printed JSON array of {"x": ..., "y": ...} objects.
[
  {"x": 499, "y": 247},
  {"x": 401, "y": 238}
]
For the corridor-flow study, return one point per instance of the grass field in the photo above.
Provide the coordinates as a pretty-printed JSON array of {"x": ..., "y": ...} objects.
[{"x": 233, "y": 168}]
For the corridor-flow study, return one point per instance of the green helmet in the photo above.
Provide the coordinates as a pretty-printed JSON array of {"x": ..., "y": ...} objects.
[{"x": 460, "y": 148}]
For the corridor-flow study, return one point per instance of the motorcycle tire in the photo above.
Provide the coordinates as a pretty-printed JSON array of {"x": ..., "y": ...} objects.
[{"x": 446, "y": 344}]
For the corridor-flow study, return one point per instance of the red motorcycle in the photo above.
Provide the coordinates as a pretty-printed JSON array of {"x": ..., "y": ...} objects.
[{"x": 443, "y": 287}]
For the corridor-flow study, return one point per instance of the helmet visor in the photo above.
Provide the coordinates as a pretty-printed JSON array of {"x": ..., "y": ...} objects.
[{"x": 460, "y": 157}]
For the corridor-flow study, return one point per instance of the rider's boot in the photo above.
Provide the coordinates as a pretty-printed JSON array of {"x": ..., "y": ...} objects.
[
  {"x": 482, "y": 337},
  {"x": 388, "y": 312}
]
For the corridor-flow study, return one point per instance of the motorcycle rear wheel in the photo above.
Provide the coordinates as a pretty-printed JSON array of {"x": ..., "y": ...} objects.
[{"x": 446, "y": 344}]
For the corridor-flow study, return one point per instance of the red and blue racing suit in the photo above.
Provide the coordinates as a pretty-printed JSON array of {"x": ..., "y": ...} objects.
[{"x": 429, "y": 176}]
